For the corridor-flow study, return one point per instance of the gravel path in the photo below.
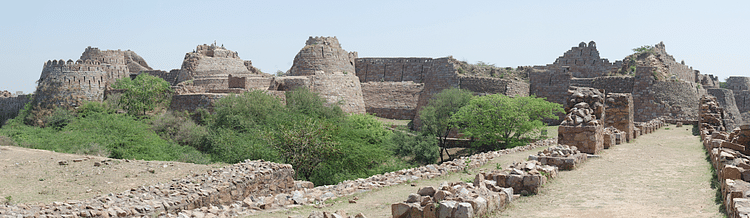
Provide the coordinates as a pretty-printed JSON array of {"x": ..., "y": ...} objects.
[{"x": 663, "y": 174}]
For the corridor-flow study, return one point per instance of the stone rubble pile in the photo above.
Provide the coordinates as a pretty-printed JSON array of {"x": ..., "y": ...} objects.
[
  {"x": 583, "y": 126},
  {"x": 524, "y": 177},
  {"x": 239, "y": 189},
  {"x": 561, "y": 156},
  {"x": 711, "y": 114},
  {"x": 337, "y": 214},
  {"x": 613, "y": 136},
  {"x": 5, "y": 94},
  {"x": 729, "y": 156},
  {"x": 585, "y": 106},
  {"x": 490, "y": 191}
]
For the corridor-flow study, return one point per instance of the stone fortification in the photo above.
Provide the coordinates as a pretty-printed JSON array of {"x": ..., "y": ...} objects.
[
  {"x": 209, "y": 66},
  {"x": 584, "y": 62},
  {"x": 170, "y": 77},
  {"x": 435, "y": 74},
  {"x": 134, "y": 62},
  {"x": 393, "y": 100},
  {"x": 664, "y": 98},
  {"x": 707, "y": 81},
  {"x": 620, "y": 113},
  {"x": 322, "y": 54},
  {"x": 583, "y": 126},
  {"x": 10, "y": 105},
  {"x": 738, "y": 83},
  {"x": 728, "y": 155},
  {"x": 339, "y": 88},
  {"x": 490, "y": 85},
  {"x": 551, "y": 85},
  {"x": 725, "y": 97},
  {"x": 614, "y": 84},
  {"x": 68, "y": 83},
  {"x": 191, "y": 102},
  {"x": 668, "y": 65}
]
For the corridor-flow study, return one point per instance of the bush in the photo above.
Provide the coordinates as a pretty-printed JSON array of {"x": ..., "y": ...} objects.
[
  {"x": 59, "y": 118},
  {"x": 421, "y": 149},
  {"x": 178, "y": 128},
  {"x": 143, "y": 94},
  {"x": 303, "y": 101},
  {"x": 246, "y": 111}
]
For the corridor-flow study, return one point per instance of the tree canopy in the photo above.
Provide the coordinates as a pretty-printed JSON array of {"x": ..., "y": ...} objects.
[
  {"x": 497, "y": 121},
  {"x": 142, "y": 94},
  {"x": 436, "y": 116}
]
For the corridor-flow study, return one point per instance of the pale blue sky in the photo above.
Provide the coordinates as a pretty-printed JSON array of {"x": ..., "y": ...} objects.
[{"x": 710, "y": 36}]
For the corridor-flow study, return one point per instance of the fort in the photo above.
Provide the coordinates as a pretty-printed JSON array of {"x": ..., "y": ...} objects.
[{"x": 395, "y": 87}]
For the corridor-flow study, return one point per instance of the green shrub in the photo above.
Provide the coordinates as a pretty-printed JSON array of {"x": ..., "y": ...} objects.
[
  {"x": 246, "y": 111},
  {"x": 179, "y": 128},
  {"x": 422, "y": 149},
  {"x": 59, "y": 118},
  {"x": 229, "y": 146},
  {"x": 303, "y": 101}
]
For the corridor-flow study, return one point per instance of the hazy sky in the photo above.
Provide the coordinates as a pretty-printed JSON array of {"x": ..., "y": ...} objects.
[{"x": 710, "y": 36}]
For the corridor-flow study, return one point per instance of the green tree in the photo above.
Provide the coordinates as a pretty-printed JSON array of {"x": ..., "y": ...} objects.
[
  {"x": 306, "y": 144},
  {"x": 142, "y": 94},
  {"x": 309, "y": 103},
  {"x": 497, "y": 121},
  {"x": 436, "y": 115}
]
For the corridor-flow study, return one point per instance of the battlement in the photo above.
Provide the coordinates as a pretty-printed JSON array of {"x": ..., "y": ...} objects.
[
  {"x": 323, "y": 40},
  {"x": 584, "y": 62},
  {"x": 215, "y": 51}
]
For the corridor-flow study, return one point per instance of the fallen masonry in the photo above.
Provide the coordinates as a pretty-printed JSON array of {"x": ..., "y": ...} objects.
[
  {"x": 582, "y": 126},
  {"x": 561, "y": 156},
  {"x": 489, "y": 192},
  {"x": 729, "y": 156}
]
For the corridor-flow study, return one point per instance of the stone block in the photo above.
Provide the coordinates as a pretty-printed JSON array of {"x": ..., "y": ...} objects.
[{"x": 588, "y": 139}]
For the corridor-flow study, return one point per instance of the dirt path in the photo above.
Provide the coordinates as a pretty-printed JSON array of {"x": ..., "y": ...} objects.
[{"x": 663, "y": 174}]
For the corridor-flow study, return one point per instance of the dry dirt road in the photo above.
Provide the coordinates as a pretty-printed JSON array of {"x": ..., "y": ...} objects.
[{"x": 663, "y": 174}]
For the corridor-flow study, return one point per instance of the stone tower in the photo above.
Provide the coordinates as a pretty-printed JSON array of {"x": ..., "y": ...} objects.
[
  {"x": 322, "y": 54},
  {"x": 210, "y": 66}
]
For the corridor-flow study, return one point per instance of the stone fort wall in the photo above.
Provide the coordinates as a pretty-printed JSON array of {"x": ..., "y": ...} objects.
[
  {"x": 68, "y": 84},
  {"x": 393, "y": 100},
  {"x": 670, "y": 98},
  {"x": 725, "y": 98},
  {"x": 9, "y": 107},
  {"x": 738, "y": 83},
  {"x": 584, "y": 62},
  {"x": 322, "y": 54}
]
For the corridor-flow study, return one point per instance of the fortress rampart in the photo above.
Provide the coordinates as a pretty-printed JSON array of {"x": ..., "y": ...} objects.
[
  {"x": 393, "y": 100},
  {"x": 9, "y": 107},
  {"x": 671, "y": 98},
  {"x": 584, "y": 62},
  {"x": 738, "y": 83},
  {"x": 322, "y": 54}
]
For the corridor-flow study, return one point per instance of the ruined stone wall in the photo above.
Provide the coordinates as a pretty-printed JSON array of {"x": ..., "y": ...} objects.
[
  {"x": 191, "y": 102},
  {"x": 129, "y": 58},
  {"x": 251, "y": 82},
  {"x": 210, "y": 65},
  {"x": 393, "y": 69},
  {"x": 614, "y": 84},
  {"x": 490, "y": 85},
  {"x": 707, "y": 81},
  {"x": 444, "y": 76},
  {"x": 672, "y": 67},
  {"x": 9, "y": 107},
  {"x": 322, "y": 54},
  {"x": 339, "y": 88},
  {"x": 68, "y": 84},
  {"x": 393, "y": 100},
  {"x": 620, "y": 113},
  {"x": 742, "y": 99},
  {"x": 738, "y": 83},
  {"x": 551, "y": 85},
  {"x": 669, "y": 98},
  {"x": 170, "y": 77},
  {"x": 584, "y": 62},
  {"x": 725, "y": 97}
]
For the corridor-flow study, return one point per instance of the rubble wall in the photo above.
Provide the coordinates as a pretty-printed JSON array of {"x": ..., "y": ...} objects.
[
  {"x": 725, "y": 97},
  {"x": 551, "y": 85},
  {"x": 322, "y": 54},
  {"x": 742, "y": 100},
  {"x": 614, "y": 84},
  {"x": 491, "y": 85},
  {"x": 669, "y": 98},
  {"x": 620, "y": 113},
  {"x": 393, "y": 69},
  {"x": 9, "y": 107},
  {"x": 191, "y": 102},
  {"x": 584, "y": 62},
  {"x": 393, "y": 100},
  {"x": 738, "y": 83}
]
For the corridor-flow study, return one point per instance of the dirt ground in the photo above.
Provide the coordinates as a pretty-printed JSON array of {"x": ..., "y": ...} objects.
[
  {"x": 663, "y": 174},
  {"x": 31, "y": 175}
]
